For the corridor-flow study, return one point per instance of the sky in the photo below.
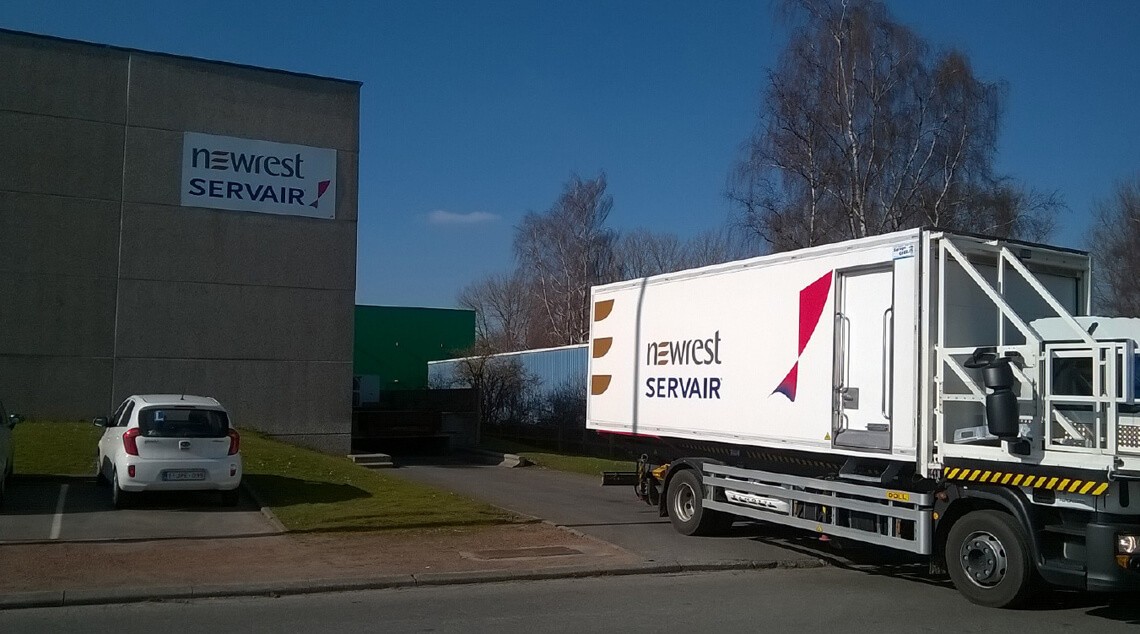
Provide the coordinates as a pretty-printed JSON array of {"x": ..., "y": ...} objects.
[{"x": 474, "y": 113}]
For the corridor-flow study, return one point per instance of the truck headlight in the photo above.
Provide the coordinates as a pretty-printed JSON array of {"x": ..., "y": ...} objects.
[{"x": 1127, "y": 544}]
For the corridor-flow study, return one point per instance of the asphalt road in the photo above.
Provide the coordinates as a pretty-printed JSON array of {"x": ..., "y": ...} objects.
[
  {"x": 821, "y": 599},
  {"x": 615, "y": 515},
  {"x": 69, "y": 509}
]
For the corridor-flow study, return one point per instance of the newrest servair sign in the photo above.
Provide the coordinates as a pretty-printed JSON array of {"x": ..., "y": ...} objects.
[{"x": 222, "y": 172}]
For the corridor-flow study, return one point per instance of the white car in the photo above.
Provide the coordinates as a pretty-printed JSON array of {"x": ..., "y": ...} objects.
[
  {"x": 7, "y": 424},
  {"x": 169, "y": 442}
]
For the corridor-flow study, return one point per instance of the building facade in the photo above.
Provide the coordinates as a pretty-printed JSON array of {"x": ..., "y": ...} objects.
[{"x": 170, "y": 224}]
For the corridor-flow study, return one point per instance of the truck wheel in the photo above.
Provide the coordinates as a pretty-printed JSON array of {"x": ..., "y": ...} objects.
[
  {"x": 684, "y": 503},
  {"x": 987, "y": 556}
]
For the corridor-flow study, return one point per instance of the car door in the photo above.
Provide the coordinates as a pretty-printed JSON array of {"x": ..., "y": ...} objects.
[
  {"x": 112, "y": 438},
  {"x": 5, "y": 442}
]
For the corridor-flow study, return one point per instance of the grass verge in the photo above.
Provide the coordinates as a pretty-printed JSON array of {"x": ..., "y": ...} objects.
[
  {"x": 311, "y": 491},
  {"x": 558, "y": 461},
  {"x": 306, "y": 490},
  {"x": 50, "y": 448}
]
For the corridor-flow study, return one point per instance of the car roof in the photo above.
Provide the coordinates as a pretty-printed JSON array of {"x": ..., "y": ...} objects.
[{"x": 177, "y": 400}]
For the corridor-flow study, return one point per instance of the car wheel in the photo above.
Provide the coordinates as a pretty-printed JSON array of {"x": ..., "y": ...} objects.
[
  {"x": 120, "y": 499},
  {"x": 987, "y": 556},
  {"x": 231, "y": 498},
  {"x": 684, "y": 502},
  {"x": 100, "y": 477}
]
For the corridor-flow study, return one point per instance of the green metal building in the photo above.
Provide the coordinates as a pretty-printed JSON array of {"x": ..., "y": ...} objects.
[{"x": 394, "y": 343}]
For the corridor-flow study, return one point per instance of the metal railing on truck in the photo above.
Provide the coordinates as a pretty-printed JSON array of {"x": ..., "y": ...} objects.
[{"x": 886, "y": 517}]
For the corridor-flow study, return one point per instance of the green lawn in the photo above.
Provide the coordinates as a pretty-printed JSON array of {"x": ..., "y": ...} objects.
[
  {"x": 306, "y": 490},
  {"x": 558, "y": 461},
  {"x": 44, "y": 448},
  {"x": 311, "y": 491}
]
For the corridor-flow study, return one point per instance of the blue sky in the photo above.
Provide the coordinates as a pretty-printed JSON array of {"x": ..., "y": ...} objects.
[{"x": 473, "y": 113}]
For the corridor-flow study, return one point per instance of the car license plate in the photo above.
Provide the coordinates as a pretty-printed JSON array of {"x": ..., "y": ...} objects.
[{"x": 184, "y": 474}]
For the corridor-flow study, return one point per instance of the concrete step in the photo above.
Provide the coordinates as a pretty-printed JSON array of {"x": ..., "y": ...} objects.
[
  {"x": 498, "y": 459},
  {"x": 372, "y": 460}
]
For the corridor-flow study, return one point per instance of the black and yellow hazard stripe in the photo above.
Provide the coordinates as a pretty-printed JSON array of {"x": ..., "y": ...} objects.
[{"x": 1013, "y": 478}]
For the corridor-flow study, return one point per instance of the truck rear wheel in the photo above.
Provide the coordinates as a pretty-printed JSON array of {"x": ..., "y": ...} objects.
[
  {"x": 987, "y": 556},
  {"x": 685, "y": 504}
]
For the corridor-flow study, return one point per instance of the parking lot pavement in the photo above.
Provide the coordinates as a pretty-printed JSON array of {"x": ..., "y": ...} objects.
[{"x": 75, "y": 509}]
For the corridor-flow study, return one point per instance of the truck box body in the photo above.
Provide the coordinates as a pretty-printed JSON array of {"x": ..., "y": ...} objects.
[{"x": 815, "y": 350}]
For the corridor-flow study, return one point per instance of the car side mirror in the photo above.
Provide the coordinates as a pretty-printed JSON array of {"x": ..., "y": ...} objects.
[{"x": 100, "y": 422}]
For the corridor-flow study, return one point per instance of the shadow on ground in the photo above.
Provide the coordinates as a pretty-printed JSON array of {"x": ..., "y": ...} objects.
[
  {"x": 872, "y": 560},
  {"x": 284, "y": 491}
]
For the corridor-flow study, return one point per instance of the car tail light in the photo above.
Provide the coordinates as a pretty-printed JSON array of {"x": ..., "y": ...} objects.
[
  {"x": 235, "y": 441},
  {"x": 129, "y": 443},
  {"x": 131, "y": 470}
]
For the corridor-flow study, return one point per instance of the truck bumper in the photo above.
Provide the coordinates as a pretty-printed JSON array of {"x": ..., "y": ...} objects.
[{"x": 1103, "y": 572}]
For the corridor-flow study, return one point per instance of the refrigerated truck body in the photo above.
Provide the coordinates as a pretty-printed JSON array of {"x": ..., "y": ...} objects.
[{"x": 935, "y": 392}]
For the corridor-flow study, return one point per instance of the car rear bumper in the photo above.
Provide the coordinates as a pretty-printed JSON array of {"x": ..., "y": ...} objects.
[{"x": 220, "y": 475}]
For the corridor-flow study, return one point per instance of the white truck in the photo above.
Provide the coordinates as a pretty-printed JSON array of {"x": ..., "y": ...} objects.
[{"x": 935, "y": 392}]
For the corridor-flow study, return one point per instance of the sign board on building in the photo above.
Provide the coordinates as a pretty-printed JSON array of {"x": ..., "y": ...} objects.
[{"x": 223, "y": 172}]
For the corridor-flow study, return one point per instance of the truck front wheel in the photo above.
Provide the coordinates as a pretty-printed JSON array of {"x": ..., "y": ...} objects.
[
  {"x": 987, "y": 556},
  {"x": 685, "y": 504}
]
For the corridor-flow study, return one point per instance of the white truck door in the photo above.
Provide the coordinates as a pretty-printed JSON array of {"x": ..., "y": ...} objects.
[{"x": 863, "y": 349}]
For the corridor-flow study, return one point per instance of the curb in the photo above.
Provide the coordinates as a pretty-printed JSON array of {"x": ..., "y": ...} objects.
[
  {"x": 45, "y": 599},
  {"x": 265, "y": 510}
]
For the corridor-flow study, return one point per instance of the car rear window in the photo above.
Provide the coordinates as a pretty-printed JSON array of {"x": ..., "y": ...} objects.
[{"x": 183, "y": 422}]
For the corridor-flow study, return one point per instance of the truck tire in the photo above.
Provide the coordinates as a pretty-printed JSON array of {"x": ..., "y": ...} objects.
[
  {"x": 684, "y": 502},
  {"x": 987, "y": 556}
]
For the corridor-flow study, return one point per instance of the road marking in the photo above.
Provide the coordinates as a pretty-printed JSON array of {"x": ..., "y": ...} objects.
[{"x": 57, "y": 521}]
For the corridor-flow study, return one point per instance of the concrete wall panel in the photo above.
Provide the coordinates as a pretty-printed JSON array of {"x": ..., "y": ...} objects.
[
  {"x": 219, "y": 321},
  {"x": 67, "y": 157},
  {"x": 63, "y": 79},
  {"x": 57, "y": 316},
  {"x": 291, "y": 397},
  {"x": 56, "y": 388},
  {"x": 168, "y": 243},
  {"x": 53, "y": 235},
  {"x": 347, "y": 181},
  {"x": 189, "y": 95},
  {"x": 153, "y": 166}
]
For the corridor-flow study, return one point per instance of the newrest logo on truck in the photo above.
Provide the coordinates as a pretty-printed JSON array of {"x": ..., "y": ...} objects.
[
  {"x": 813, "y": 299},
  {"x": 699, "y": 351},
  {"x": 222, "y": 172}
]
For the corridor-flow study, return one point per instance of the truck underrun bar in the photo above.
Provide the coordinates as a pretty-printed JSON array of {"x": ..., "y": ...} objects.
[{"x": 886, "y": 517}]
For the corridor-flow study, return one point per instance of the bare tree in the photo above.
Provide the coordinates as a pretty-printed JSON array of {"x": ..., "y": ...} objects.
[
  {"x": 642, "y": 253},
  {"x": 502, "y": 308},
  {"x": 864, "y": 131},
  {"x": 1116, "y": 259},
  {"x": 504, "y": 388},
  {"x": 565, "y": 251},
  {"x": 716, "y": 246}
]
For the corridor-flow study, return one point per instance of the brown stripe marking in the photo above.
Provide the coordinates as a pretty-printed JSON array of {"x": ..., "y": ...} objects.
[
  {"x": 603, "y": 309},
  {"x": 602, "y": 346},
  {"x": 599, "y": 383}
]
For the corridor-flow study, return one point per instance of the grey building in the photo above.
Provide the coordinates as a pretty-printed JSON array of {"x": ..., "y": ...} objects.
[{"x": 170, "y": 224}]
